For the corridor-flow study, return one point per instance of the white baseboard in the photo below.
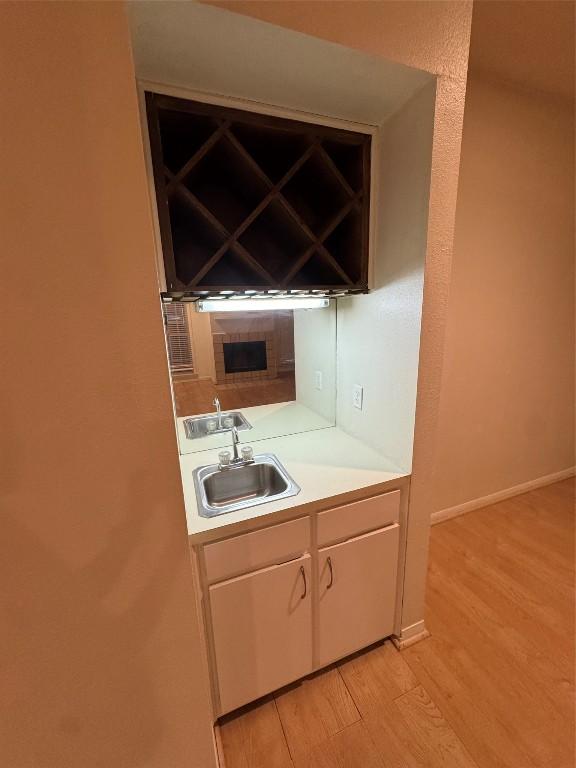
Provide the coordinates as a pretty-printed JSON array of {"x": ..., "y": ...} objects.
[
  {"x": 410, "y": 635},
  {"x": 446, "y": 514}
]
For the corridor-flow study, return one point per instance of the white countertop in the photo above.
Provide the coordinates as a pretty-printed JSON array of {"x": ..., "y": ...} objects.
[
  {"x": 267, "y": 421},
  {"x": 325, "y": 463}
]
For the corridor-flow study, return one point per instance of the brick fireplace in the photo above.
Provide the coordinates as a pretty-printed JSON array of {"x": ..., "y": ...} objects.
[{"x": 244, "y": 356}]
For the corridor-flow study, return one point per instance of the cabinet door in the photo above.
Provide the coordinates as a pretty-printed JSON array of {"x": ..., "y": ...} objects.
[
  {"x": 357, "y": 593},
  {"x": 262, "y": 625}
]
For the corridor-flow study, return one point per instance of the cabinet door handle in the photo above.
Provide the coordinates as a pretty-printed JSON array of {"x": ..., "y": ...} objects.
[
  {"x": 303, "y": 574},
  {"x": 329, "y": 561}
]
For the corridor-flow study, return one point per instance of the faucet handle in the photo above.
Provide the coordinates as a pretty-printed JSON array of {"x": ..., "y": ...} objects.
[
  {"x": 247, "y": 453},
  {"x": 224, "y": 458}
]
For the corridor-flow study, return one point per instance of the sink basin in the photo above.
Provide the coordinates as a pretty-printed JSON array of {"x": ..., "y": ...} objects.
[
  {"x": 219, "y": 491},
  {"x": 197, "y": 426}
]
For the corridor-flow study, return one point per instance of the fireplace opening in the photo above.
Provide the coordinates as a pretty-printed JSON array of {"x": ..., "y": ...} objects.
[{"x": 243, "y": 356}]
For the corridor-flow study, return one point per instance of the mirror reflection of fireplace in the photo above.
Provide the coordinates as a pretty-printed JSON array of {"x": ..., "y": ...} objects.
[
  {"x": 244, "y": 356},
  {"x": 244, "y": 359}
]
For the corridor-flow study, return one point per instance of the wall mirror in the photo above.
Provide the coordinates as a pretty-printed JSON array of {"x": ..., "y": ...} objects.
[{"x": 268, "y": 373}]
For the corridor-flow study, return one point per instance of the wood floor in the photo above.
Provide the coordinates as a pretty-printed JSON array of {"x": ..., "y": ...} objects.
[
  {"x": 197, "y": 395},
  {"x": 491, "y": 688}
]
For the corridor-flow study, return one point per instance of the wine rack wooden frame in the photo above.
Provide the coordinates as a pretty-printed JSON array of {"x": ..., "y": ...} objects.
[{"x": 251, "y": 202}]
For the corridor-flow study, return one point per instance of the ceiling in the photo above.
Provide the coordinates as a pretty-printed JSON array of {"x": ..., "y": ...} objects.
[
  {"x": 218, "y": 52},
  {"x": 529, "y": 43}
]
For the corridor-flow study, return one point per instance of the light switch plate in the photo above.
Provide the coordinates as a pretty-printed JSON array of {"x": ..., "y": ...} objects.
[
  {"x": 357, "y": 396},
  {"x": 318, "y": 383}
]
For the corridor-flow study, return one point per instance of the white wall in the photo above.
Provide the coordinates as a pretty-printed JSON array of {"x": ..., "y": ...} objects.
[
  {"x": 315, "y": 350},
  {"x": 379, "y": 334},
  {"x": 507, "y": 406}
]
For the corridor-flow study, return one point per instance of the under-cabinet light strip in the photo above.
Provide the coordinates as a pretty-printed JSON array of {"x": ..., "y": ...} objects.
[{"x": 251, "y": 305}]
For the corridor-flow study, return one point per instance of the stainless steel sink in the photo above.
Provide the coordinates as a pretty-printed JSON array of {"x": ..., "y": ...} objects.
[
  {"x": 198, "y": 426},
  {"x": 219, "y": 491}
]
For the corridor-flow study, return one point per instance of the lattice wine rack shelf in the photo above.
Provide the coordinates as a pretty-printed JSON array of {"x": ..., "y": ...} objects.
[{"x": 252, "y": 202}]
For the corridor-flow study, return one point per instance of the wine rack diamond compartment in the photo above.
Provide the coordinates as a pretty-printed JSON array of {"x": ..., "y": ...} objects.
[{"x": 252, "y": 202}]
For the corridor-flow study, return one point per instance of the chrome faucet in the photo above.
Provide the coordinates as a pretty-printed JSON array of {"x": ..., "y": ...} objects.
[
  {"x": 236, "y": 461},
  {"x": 216, "y": 403},
  {"x": 235, "y": 441}
]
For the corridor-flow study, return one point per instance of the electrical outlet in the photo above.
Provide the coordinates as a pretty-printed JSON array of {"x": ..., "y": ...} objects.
[
  {"x": 318, "y": 379},
  {"x": 357, "y": 396}
]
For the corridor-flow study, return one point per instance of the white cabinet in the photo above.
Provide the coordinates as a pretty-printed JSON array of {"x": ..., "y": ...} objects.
[
  {"x": 356, "y": 593},
  {"x": 262, "y": 629},
  {"x": 303, "y": 594}
]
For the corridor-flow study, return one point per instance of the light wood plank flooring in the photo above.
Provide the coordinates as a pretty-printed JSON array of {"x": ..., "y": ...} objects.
[{"x": 491, "y": 688}]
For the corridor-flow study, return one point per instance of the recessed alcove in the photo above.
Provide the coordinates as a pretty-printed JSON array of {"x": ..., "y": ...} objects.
[{"x": 219, "y": 59}]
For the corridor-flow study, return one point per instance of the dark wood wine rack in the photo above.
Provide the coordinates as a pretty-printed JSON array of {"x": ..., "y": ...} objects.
[{"x": 249, "y": 202}]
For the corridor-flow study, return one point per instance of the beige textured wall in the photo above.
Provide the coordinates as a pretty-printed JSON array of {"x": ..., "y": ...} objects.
[
  {"x": 428, "y": 34},
  {"x": 434, "y": 36},
  {"x": 100, "y": 660},
  {"x": 507, "y": 405}
]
